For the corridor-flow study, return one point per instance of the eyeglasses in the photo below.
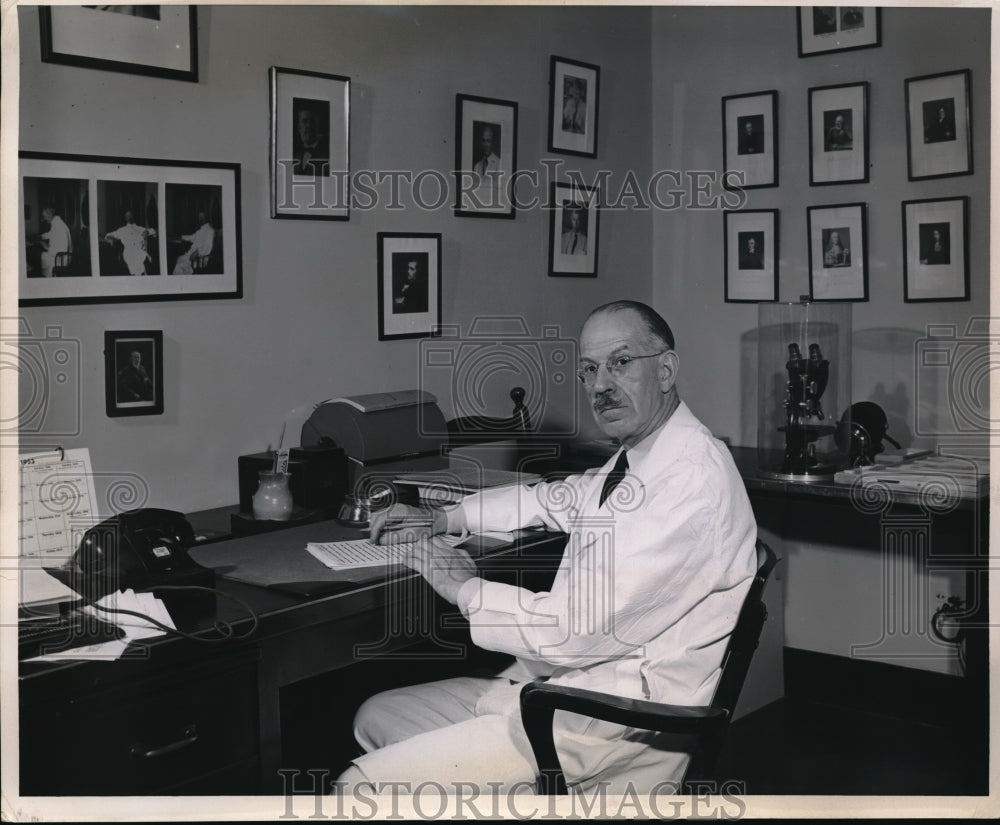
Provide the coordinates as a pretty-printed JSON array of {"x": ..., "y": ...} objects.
[{"x": 617, "y": 366}]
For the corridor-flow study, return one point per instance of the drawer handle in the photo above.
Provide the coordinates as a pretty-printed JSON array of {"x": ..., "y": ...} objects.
[{"x": 190, "y": 737}]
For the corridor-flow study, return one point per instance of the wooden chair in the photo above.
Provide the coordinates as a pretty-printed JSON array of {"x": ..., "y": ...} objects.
[
  {"x": 540, "y": 700},
  {"x": 62, "y": 263}
]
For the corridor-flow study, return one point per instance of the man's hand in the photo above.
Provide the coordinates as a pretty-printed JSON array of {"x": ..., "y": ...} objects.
[
  {"x": 446, "y": 568},
  {"x": 401, "y": 523}
]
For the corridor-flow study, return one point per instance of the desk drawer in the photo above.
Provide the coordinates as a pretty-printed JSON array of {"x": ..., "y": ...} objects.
[{"x": 148, "y": 736}]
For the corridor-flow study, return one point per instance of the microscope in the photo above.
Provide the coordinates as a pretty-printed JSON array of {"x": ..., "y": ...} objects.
[{"x": 807, "y": 380}]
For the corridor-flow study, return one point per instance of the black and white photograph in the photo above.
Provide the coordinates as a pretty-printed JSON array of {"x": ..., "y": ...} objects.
[
  {"x": 154, "y": 40},
  {"x": 751, "y": 255},
  {"x": 838, "y": 252},
  {"x": 936, "y": 250},
  {"x": 56, "y": 239},
  {"x": 573, "y": 106},
  {"x": 103, "y": 229},
  {"x": 409, "y": 285},
  {"x": 133, "y": 373},
  {"x": 750, "y": 140},
  {"x": 838, "y": 128},
  {"x": 310, "y": 144},
  {"x": 939, "y": 125},
  {"x": 485, "y": 156},
  {"x": 573, "y": 230},
  {"x": 827, "y": 29},
  {"x": 535, "y": 443}
]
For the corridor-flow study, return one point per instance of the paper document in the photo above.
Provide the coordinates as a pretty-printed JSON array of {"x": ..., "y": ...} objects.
[{"x": 347, "y": 555}]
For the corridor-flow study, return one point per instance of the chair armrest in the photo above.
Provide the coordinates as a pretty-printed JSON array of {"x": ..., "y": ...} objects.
[{"x": 540, "y": 701}]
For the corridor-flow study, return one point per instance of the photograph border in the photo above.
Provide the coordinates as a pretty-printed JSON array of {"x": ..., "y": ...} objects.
[
  {"x": 813, "y": 214},
  {"x": 112, "y": 407},
  {"x": 558, "y": 263},
  {"x": 731, "y": 221},
  {"x": 559, "y": 141},
  {"x": 839, "y": 173},
  {"x": 422, "y": 325},
  {"x": 93, "y": 289},
  {"x": 326, "y": 202},
  {"x": 97, "y": 56},
  {"x": 503, "y": 110},
  {"x": 916, "y": 151},
  {"x": 912, "y": 263},
  {"x": 811, "y": 40},
  {"x": 764, "y": 177}
]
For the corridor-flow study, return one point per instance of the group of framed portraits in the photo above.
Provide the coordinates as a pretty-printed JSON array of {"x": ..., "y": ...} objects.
[
  {"x": 939, "y": 144},
  {"x": 935, "y": 252}
]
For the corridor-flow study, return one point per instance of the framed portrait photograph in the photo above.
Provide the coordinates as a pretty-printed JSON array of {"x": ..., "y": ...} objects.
[
  {"x": 409, "y": 285},
  {"x": 936, "y": 250},
  {"x": 573, "y": 230},
  {"x": 750, "y": 140},
  {"x": 751, "y": 253},
  {"x": 133, "y": 373},
  {"x": 485, "y": 156},
  {"x": 103, "y": 230},
  {"x": 310, "y": 145},
  {"x": 838, "y": 134},
  {"x": 838, "y": 252},
  {"x": 939, "y": 125},
  {"x": 824, "y": 29},
  {"x": 154, "y": 40},
  {"x": 573, "y": 105}
]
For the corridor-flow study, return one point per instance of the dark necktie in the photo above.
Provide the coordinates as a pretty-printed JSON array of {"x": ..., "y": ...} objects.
[{"x": 614, "y": 478}]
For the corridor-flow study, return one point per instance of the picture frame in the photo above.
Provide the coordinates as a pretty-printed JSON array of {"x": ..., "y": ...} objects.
[
  {"x": 573, "y": 230},
  {"x": 826, "y": 29},
  {"x": 574, "y": 100},
  {"x": 133, "y": 372},
  {"x": 936, "y": 250},
  {"x": 838, "y": 252},
  {"x": 939, "y": 125},
  {"x": 485, "y": 156},
  {"x": 751, "y": 255},
  {"x": 113, "y": 229},
  {"x": 155, "y": 40},
  {"x": 310, "y": 152},
  {"x": 409, "y": 285},
  {"x": 750, "y": 140},
  {"x": 838, "y": 134}
]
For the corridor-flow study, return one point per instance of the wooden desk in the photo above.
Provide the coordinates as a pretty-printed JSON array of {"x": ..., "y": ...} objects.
[{"x": 190, "y": 718}]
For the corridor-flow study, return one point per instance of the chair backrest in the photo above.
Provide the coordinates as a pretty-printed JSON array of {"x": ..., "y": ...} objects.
[
  {"x": 480, "y": 429},
  {"x": 736, "y": 662}
]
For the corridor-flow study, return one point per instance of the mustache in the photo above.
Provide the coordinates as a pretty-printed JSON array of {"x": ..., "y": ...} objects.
[{"x": 606, "y": 401}]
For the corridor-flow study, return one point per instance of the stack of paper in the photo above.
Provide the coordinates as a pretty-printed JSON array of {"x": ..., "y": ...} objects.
[
  {"x": 350, "y": 555},
  {"x": 962, "y": 476}
]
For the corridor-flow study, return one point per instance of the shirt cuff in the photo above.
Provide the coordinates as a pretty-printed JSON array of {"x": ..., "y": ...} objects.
[{"x": 467, "y": 593}]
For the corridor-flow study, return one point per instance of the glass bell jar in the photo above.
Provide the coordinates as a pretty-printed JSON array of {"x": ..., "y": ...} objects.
[{"x": 804, "y": 384}]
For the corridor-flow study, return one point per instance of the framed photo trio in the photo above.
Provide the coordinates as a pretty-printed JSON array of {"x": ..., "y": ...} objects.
[
  {"x": 103, "y": 229},
  {"x": 409, "y": 285}
]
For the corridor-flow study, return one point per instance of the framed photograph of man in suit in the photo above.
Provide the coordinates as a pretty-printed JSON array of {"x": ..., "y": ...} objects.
[
  {"x": 939, "y": 125},
  {"x": 485, "y": 156},
  {"x": 751, "y": 255},
  {"x": 573, "y": 104},
  {"x": 133, "y": 373},
  {"x": 409, "y": 285},
  {"x": 310, "y": 145},
  {"x": 573, "y": 230},
  {"x": 936, "y": 250},
  {"x": 838, "y": 134},
  {"x": 750, "y": 140}
]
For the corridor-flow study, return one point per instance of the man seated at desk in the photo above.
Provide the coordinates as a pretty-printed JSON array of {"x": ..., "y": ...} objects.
[{"x": 659, "y": 559}]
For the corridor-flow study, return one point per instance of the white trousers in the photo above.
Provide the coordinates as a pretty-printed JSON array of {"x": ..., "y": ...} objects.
[{"x": 431, "y": 733}]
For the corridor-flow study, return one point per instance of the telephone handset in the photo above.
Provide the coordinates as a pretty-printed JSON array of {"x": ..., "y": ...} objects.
[{"x": 140, "y": 549}]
